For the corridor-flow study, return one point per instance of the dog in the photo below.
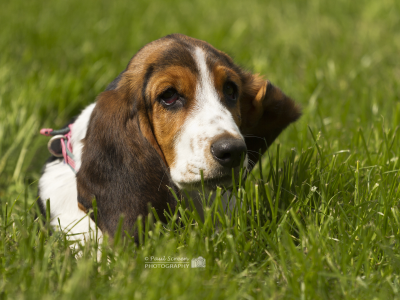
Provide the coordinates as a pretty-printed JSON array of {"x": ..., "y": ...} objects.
[{"x": 181, "y": 107}]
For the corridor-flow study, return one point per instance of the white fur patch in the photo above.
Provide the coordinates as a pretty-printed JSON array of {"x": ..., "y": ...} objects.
[{"x": 208, "y": 119}]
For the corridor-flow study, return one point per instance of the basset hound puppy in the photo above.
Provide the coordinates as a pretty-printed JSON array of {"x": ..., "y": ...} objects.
[{"x": 179, "y": 107}]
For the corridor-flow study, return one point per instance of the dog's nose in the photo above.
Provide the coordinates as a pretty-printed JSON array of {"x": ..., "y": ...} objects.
[{"x": 228, "y": 152}]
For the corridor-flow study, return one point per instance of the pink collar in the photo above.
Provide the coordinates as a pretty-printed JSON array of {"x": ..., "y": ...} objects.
[{"x": 61, "y": 138}]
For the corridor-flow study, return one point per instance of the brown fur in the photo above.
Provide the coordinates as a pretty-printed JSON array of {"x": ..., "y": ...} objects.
[
  {"x": 167, "y": 123},
  {"x": 120, "y": 167},
  {"x": 266, "y": 111}
]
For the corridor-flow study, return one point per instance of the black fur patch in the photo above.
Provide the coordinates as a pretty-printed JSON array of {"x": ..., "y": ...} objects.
[{"x": 114, "y": 84}]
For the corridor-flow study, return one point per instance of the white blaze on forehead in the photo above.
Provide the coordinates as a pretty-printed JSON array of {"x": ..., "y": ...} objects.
[
  {"x": 205, "y": 90},
  {"x": 209, "y": 111},
  {"x": 207, "y": 120}
]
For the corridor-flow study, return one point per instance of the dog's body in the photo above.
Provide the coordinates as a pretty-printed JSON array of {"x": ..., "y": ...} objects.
[{"x": 179, "y": 108}]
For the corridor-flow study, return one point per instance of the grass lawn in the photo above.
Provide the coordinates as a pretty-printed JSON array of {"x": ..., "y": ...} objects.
[{"x": 320, "y": 217}]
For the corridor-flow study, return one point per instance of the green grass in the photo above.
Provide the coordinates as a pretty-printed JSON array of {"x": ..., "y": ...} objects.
[{"x": 320, "y": 219}]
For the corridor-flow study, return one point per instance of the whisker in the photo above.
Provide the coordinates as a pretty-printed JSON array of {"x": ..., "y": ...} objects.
[
  {"x": 256, "y": 155},
  {"x": 252, "y": 163},
  {"x": 253, "y": 151},
  {"x": 161, "y": 180},
  {"x": 253, "y": 136}
]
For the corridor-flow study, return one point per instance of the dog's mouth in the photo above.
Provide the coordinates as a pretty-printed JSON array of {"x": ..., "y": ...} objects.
[
  {"x": 221, "y": 181},
  {"x": 211, "y": 182}
]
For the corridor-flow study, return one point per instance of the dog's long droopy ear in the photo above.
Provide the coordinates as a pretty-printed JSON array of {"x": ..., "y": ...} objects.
[
  {"x": 265, "y": 112},
  {"x": 120, "y": 167}
]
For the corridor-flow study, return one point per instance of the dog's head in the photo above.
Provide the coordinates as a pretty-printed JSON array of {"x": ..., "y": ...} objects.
[{"x": 187, "y": 103}]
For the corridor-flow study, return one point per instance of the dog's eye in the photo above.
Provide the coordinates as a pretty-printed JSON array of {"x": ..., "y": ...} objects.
[
  {"x": 169, "y": 97},
  {"x": 230, "y": 90}
]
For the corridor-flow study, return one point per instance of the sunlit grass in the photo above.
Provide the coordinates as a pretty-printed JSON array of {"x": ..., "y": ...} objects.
[{"x": 319, "y": 217}]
